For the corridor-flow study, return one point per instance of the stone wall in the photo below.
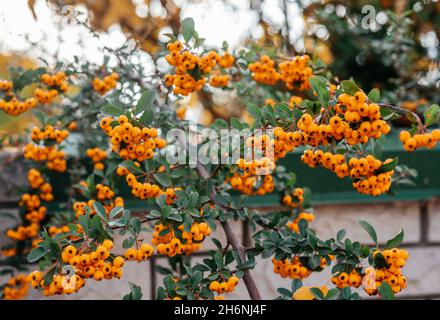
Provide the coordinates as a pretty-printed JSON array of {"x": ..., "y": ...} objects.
[{"x": 420, "y": 220}]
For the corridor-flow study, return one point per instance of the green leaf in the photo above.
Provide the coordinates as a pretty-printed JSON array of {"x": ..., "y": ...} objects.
[
  {"x": 163, "y": 178},
  {"x": 36, "y": 254},
  {"x": 99, "y": 208},
  {"x": 340, "y": 235},
  {"x": 196, "y": 278},
  {"x": 236, "y": 123},
  {"x": 379, "y": 261},
  {"x": 187, "y": 26},
  {"x": 317, "y": 293},
  {"x": 132, "y": 167},
  {"x": 385, "y": 291},
  {"x": 169, "y": 283},
  {"x": 319, "y": 85},
  {"x": 269, "y": 115},
  {"x": 48, "y": 278},
  {"x": 374, "y": 95},
  {"x": 146, "y": 100},
  {"x": 145, "y": 105},
  {"x": 349, "y": 87},
  {"x": 161, "y": 293},
  {"x": 128, "y": 243},
  {"x": 135, "y": 292},
  {"x": 370, "y": 230},
  {"x": 388, "y": 166},
  {"x": 432, "y": 115},
  {"x": 97, "y": 231},
  {"x": 291, "y": 180},
  {"x": 254, "y": 111},
  {"x": 307, "y": 198},
  {"x": 296, "y": 284},
  {"x": 111, "y": 110},
  {"x": 85, "y": 223},
  {"x": 217, "y": 243},
  {"x": 135, "y": 224},
  {"x": 220, "y": 124},
  {"x": 396, "y": 241},
  {"x": 218, "y": 257},
  {"x": 115, "y": 211},
  {"x": 284, "y": 292},
  {"x": 332, "y": 294}
]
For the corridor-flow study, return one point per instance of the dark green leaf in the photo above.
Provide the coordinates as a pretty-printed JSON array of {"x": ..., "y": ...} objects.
[
  {"x": 370, "y": 230},
  {"x": 396, "y": 241},
  {"x": 374, "y": 95},
  {"x": 432, "y": 115},
  {"x": 349, "y": 87},
  {"x": 111, "y": 110}
]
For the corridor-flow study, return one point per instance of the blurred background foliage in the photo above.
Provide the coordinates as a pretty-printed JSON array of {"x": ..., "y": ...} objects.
[{"x": 400, "y": 55}]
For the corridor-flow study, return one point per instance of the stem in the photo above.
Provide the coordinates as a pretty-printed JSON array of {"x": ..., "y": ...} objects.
[
  {"x": 249, "y": 282},
  {"x": 405, "y": 111}
]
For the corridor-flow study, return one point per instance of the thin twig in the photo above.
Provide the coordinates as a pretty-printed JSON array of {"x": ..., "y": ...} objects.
[{"x": 249, "y": 282}]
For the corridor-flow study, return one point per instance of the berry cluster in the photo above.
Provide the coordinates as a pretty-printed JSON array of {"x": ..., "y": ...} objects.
[
  {"x": 23, "y": 232},
  {"x": 49, "y": 133},
  {"x": 292, "y": 268},
  {"x": 264, "y": 71},
  {"x": 45, "y": 96},
  {"x": 146, "y": 190},
  {"x": 419, "y": 140},
  {"x": 8, "y": 252},
  {"x": 293, "y": 225},
  {"x": 54, "y": 230},
  {"x": 11, "y": 104},
  {"x": 6, "y": 85},
  {"x": 16, "y": 288},
  {"x": 132, "y": 142},
  {"x": 191, "y": 71},
  {"x": 61, "y": 283},
  {"x": 295, "y": 101},
  {"x": 367, "y": 181},
  {"x": 252, "y": 177},
  {"x": 363, "y": 171},
  {"x": 363, "y": 118},
  {"x": 102, "y": 86},
  {"x": 333, "y": 162},
  {"x": 395, "y": 259},
  {"x": 97, "y": 264},
  {"x": 36, "y": 181},
  {"x": 34, "y": 210},
  {"x": 294, "y": 199},
  {"x": 219, "y": 80},
  {"x": 295, "y": 73},
  {"x": 56, "y": 81},
  {"x": 143, "y": 253},
  {"x": 224, "y": 286},
  {"x": 15, "y": 107},
  {"x": 55, "y": 158},
  {"x": 169, "y": 244},
  {"x": 105, "y": 196},
  {"x": 97, "y": 155},
  {"x": 343, "y": 279}
]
